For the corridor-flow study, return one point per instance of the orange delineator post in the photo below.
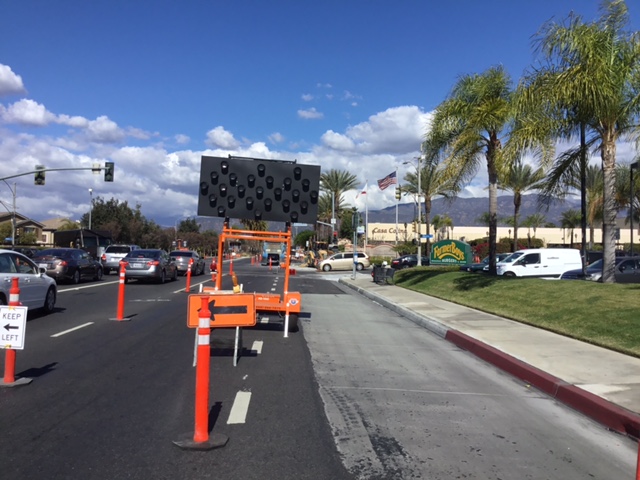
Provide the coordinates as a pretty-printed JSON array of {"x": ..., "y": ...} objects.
[
  {"x": 10, "y": 353},
  {"x": 120, "y": 314},
  {"x": 231, "y": 265},
  {"x": 201, "y": 432},
  {"x": 188, "y": 287}
]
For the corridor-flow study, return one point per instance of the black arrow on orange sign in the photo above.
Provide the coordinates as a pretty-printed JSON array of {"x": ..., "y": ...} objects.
[{"x": 227, "y": 310}]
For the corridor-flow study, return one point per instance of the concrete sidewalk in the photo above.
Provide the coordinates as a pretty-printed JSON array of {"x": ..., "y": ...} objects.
[{"x": 597, "y": 382}]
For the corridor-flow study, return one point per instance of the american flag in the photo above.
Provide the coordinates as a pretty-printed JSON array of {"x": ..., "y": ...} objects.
[
  {"x": 388, "y": 180},
  {"x": 363, "y": 190}
]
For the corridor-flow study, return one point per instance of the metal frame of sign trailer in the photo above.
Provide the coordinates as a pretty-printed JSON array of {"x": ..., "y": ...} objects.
[{"x": 286, "y": 304}]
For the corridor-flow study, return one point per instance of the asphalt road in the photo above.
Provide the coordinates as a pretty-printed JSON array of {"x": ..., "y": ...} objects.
[{"x": 358, "y": 393}]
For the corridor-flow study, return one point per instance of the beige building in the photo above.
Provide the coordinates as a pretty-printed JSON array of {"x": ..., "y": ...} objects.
[{"x": 386, "y": 232}]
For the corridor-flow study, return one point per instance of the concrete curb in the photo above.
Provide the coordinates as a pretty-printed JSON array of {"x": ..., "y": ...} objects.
[{"x": 600, "y": 410}]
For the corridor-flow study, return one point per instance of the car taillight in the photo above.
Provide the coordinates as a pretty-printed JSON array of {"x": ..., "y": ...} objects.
[
  {"x": 104, "y": 257},
  {"x": 153, "y": 263},
  {"x": 63, "y": 263}
]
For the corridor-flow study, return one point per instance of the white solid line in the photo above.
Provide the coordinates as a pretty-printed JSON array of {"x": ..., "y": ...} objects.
[
  {"x": 72, "y": 329},
  {"x": 239, "y": 409},
  {"x": 264, "y": 320},
  {"x": 257, "y": 346}
]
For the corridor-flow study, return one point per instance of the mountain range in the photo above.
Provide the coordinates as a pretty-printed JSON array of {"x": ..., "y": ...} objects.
[{"x": 462, "y": 211}]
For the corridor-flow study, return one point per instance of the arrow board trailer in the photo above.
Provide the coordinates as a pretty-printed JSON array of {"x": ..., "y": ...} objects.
[
  {"x": 227, "y": 310},
  {"x": 13, "y": 326}
]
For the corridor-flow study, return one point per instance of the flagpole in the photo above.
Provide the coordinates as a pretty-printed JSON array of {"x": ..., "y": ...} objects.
[{"x": 366, "y": 221}]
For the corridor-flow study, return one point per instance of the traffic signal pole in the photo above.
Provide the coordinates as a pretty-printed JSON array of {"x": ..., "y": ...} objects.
[{"x": 42, "y": 170}]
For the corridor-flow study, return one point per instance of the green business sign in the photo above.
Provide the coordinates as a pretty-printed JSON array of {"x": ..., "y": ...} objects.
[{"x": 451, "y": 252}]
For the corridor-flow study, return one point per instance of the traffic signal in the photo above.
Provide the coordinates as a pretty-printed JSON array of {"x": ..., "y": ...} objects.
[
  {"x": 39, "y": 176},
  {"x": 398, "y": 192},
  {"x": 108, "y": 171},
  {"x": 413, "y": 226}
]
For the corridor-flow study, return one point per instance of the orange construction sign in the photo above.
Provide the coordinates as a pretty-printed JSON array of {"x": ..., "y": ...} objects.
[{"x": 237, "y": 310}]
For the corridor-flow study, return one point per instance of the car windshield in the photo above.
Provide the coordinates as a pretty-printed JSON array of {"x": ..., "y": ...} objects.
[
  {"x": 117, "y": 249},
  {"x": 512, "y": 258},
  {"x": 143, "y": 254},
  {"x": 596, "y": 264},
  {"x": 181, "y": 254},
  {"x": 53, "y": 252}
]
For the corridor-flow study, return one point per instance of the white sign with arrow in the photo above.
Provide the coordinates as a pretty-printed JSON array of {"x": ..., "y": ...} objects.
[{"x": 13, "y": 322}]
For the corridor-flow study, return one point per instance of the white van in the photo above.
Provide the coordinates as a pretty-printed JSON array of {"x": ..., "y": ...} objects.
[{"x": 542, "y": 263}]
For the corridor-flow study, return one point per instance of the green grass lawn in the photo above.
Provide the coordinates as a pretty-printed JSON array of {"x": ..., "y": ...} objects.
[{"x": 607, "y": 315}]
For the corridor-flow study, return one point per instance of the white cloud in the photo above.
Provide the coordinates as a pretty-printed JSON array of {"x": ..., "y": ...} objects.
[
  {"x": 219, "y": 137},
  {"x": 307, "y": 97},
  {"x": 276, "y": 137},
  {"x": 27, "y": 112},
  {"x": 324, "y": 85},
  {"x": 182, "y": 139},
  {"x": 10, "y": 82},
  {"x": 104, "y": 130},
  {"x": 337, "y": 141},
  {"x": 310, "y": 114}
]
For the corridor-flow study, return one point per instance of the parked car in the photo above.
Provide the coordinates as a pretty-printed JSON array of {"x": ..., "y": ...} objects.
[
  {"x": 627, "y": 270},
  {"x": 408, "y": 261},
  {"x": 68, "y": 264},
  {"x": 149, "y": 264},
  {"x": 344, "y": 261},
  {"x": 479, "y": 267},
  {"x": 112, "y": 255},
  {"x": 542, "y": 263},
  {"x": 183, "y": 259},
  {"x": 37, "y": 289},
  {"x": 512, "y": 257},
  {"x": 28, "y": 251}
]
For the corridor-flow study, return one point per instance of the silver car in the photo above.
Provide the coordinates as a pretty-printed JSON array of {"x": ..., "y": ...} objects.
[
  {"x": 149, "y": 264},
  {"x": 183, "y": 260},
  {"x": 37, "y": 289},
  {"x": 112, "y": 255}
]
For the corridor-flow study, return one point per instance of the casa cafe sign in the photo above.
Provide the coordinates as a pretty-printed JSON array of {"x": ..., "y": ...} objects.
[{"x": 387, "y": 230}]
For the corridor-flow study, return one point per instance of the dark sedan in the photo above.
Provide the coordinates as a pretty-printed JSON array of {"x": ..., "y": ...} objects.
[
  {"x": 408, "y": 261},
  {"x": 477, "y": 267},
  {"x": 627, "y": 270},
  {"x": 68, "y": 264}
]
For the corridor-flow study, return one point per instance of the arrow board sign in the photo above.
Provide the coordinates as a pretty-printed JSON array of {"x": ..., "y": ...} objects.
[
  {"x": 13, "y": 322},
  {"x": 236, "y": 310}
]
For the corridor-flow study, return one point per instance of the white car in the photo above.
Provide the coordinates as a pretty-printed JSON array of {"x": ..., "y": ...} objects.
[{"x": 37, "y": 289}]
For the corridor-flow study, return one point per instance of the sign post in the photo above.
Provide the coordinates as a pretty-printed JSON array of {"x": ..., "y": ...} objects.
[{"x": 13, "y": 325}]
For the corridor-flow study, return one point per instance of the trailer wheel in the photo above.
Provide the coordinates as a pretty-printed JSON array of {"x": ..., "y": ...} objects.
[{"x": 293, "y": 322}]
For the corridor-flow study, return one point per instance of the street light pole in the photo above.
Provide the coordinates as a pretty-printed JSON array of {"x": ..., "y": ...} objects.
[
  {"x": 90, "y": 205},
  {"x": 419, "y": 211},
  {"x": 632, "y": 167},
  {"x": 13, "y": 212}
]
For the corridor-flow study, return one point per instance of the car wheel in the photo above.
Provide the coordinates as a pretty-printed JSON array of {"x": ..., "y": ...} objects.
[
  {"x": 98, "y": 275},
  {"x": 174, "y": 278},
  {"x": 49, "y": 301},
  {"x": 509, "y": 274},
  {"x": 405, "y": 266},
  {"x": 76, "y": 277},
  {"x": 326, "y": 268},
  {"x": 163, "y": 277},
  {"x": 359, "y": 267}
]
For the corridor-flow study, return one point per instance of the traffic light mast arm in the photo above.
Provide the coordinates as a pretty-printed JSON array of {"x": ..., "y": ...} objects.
[{"x": 50, "y": 170}]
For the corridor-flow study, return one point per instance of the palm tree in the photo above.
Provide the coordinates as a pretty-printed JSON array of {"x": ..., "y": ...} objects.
[
  {"x": 519, "y": 180},
  {"x": 433, "y": 183},
  {"x": 571, "y": 220},
  {"x": 68, "y": 224},
  {"x": 534, "y": 222},
  {"x": 467, "y": 129},
  {"x": 593, "y": 74},
  {"x": 334, "y": 183}
]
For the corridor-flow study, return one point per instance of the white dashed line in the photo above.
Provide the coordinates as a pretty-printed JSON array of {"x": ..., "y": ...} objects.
[
  {"x": 257, "y": 346},
  {"x": 239, "y": 409},
  {"x": 71, "y": 330},
  {"x": 264, "y": 320}
]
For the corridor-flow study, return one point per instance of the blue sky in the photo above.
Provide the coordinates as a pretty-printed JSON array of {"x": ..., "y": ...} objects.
[{"x": 153, "y": 85}]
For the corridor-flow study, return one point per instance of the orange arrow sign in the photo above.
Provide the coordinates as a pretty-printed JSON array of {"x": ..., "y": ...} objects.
[{"x": 236, "y": 310}]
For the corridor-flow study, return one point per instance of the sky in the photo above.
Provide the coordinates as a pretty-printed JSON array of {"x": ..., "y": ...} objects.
[{"x": 153, "y": 85}]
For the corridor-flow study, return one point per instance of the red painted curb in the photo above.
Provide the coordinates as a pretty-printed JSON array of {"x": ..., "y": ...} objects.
[{"x": 608, "y": 414}]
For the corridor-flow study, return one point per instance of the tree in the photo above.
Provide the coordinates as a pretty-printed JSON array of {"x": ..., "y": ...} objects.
[
  {"x": 593, "y": 71},
  {"x": 433, "y": 183},
  {"x": 534, "y": 222},
  {"x": 335, "y": 183},
  {"x": 188, "y": 225},
  {"x": 520, "y": 179},
  {"x": 570, "y": 220},
  {"x": 68, "y": 224},
  {"x": 468, "y": 128}
]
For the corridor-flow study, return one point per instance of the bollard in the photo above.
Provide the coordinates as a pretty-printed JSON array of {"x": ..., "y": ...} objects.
[
  {"x": 188, "y": 287},
  {"x": 269, "y": 263},
  {"x": 122, "y": 281},
  {"x": 231, "y": 266},
  {"x": 201, "y": 439},
  {"x": 286, "y": 320},
  {"x": 10, "y": 353}
]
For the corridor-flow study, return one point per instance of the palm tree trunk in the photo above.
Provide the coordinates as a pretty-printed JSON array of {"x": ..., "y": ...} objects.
[
  {"x": 609, "y": 208},
  {"x": 493, "y": 202},
  {"x": 427, "y": 219},
  {"x": 517, "y": 201},
  {"x": 583, "y": 194}
]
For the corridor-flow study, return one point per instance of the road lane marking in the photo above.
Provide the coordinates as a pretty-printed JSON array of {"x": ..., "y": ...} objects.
[
  {"x": 239, "y": 409},
  {"x": 71, "y": 330},
  {"x": 257, "y": 346},
  {"x": 264, "y": 320}
]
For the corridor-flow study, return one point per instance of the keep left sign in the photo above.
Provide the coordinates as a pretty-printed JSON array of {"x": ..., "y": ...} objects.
[{"x": 13, "y": 322}]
